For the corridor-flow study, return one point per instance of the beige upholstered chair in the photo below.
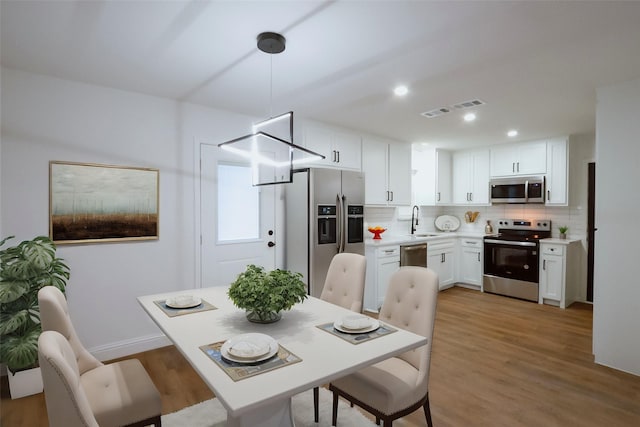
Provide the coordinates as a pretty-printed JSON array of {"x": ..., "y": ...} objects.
[
  {"x": 344, "y": 286},
  {"x": 399, "y": 385},
  {"x": 79, "y": 389}
]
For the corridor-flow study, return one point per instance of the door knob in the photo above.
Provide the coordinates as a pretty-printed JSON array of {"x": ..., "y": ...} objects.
[{"x": 271, "y": 244}]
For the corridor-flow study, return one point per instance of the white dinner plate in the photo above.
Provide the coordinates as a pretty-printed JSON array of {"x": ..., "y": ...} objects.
[
  {"x": 375, "y": 324},
  {"x": 183, "y": 301},
  {"x": 447, "y": 223},
  {"x": 249, "y": 348}
]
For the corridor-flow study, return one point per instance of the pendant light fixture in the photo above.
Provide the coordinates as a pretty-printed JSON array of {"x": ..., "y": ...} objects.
[{"x": 270, "y": 146}]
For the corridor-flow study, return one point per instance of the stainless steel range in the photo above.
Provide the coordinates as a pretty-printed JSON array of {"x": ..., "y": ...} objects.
[{"x": 511, "y": 260}]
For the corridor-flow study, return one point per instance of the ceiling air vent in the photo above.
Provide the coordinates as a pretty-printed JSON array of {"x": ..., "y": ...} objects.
[
  {"x": 468, "y": 104},
  {"x": 437, "y": 112}
]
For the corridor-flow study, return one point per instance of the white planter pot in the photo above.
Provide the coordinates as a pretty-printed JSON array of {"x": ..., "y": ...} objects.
[{"x": 25, "y": 383}]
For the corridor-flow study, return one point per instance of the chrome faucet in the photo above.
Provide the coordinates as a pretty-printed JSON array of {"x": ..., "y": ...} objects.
[{"x": 414, "y": 218}]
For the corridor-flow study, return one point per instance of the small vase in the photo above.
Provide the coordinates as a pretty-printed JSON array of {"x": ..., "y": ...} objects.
[
  {"x": 269, "y": 317},
  {"x": 563, "y": 235}
]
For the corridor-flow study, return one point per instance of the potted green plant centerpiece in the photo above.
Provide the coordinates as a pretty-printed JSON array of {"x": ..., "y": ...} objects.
[
  {"x": 264, "y": 295},
  {"x": 563, "y": 231},
  {"x": 24, "y": 269}
]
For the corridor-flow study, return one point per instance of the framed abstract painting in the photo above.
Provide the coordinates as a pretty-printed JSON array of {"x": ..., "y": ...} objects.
[{"x": 102, "y": 203}]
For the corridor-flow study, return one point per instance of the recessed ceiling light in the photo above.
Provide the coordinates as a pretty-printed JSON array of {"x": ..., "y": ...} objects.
[
  {"x": 512, "y": 133},
  {"x": 469, "y": 117},
  {"x": 401, "y": 90}
]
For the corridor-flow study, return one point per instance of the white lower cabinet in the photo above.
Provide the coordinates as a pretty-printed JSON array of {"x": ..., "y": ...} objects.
[
  {"x": 382, "y": 262},
  {"x": 471, "y": 261},
  {"x": 441, "y": 259},
  {"x": 559, "y": 272}
]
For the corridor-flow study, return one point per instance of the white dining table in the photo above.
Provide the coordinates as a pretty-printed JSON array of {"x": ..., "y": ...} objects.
[{"x": 264, "y": 400}]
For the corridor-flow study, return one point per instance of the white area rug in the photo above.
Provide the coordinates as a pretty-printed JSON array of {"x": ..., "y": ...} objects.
[{"x": 211, "y": 413}]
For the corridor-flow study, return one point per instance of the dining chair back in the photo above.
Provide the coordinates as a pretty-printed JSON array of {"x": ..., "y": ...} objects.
[
  {"x": 54, "y": 316},
  {"x": 344, "y": 285},
  {"x": 117, "y": 394},
  {"x": 399, "y": 385},
  {"x": 61, "y": 379}
]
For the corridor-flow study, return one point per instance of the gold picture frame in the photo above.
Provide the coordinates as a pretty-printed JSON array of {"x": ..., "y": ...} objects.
[{"x": 91, "y": 203}]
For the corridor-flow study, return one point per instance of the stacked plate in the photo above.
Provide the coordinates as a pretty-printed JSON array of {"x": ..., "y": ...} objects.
[
  {"x": 249, "y": 348},
  {"x": 183, "y": 301},
  {"x": 356, "y": 324}
]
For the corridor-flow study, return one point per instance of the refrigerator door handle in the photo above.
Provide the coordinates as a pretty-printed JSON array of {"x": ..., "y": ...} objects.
[
  {"x": 343, "y": 220},
  {"x": 339, "y": 224}
]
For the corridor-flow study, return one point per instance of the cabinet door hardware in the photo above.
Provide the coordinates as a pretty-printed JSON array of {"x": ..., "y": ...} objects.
[
  {"x": 338, "y": 157},
  {"x": 548, "y": 194},
  {"x": 544, "y": 264},
  {"x": 478, "y": 256},
  {"x": 438, "y": 196}
]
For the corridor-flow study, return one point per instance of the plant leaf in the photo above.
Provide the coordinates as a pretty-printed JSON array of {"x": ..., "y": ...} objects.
[
  {"x": 21, "y": 352},
  {"x": 39, "y": 251},
  {"x": 13, "y": 321},
  {"x": 11, "y": 290}
]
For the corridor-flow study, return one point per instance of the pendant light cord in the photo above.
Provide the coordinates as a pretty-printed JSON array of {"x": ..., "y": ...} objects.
[{"x": 271, "y": 86}]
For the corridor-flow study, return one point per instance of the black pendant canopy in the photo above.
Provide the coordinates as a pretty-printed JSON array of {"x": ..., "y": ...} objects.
[{"x": 269, "y": 42}]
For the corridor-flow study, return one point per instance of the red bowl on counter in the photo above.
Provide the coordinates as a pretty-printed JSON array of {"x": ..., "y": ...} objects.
[{"x": 377, "y": 231}]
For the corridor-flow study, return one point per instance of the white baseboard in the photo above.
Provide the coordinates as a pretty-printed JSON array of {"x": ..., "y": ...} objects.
[{"x": 129, "y": 347}]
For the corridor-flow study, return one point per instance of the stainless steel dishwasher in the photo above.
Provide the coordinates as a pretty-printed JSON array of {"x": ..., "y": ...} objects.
[{"x": 413, "y": 254}]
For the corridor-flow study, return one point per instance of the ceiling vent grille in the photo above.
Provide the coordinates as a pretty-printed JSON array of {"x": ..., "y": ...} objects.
[
  {"x": 468, "y": 104},
  {"x": 445, "y": 110},
  {"x": 435, "y": 113}
]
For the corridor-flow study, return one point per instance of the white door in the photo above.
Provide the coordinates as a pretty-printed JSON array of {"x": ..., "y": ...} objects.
[{"x": 237, "y": 220}]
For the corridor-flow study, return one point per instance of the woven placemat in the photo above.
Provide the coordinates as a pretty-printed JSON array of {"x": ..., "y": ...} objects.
[
  {"x": 358, "y": 338},
  {"x": 239, "y": 371},
  {"x": 173, "y": 312}
]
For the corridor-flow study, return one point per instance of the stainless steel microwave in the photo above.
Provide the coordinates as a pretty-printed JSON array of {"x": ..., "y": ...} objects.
[{"x": 520, "y": 189}]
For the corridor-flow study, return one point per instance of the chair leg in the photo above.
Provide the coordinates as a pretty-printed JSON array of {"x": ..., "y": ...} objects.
[
  {"x": 427, "y": 412},
  {"x": 316, "y": 392},
  {"x": 334, "y": 416}
]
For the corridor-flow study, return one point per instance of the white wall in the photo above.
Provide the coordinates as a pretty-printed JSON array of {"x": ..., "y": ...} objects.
[
  {"x": 45, "y": 119},
  {"x": 616, "y": 316}
]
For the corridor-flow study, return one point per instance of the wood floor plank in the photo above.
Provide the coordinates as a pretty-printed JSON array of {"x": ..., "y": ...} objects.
[{"x": 496, "y": 361}]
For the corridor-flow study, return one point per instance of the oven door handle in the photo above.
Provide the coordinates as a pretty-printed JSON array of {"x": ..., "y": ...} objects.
[{"x": 509, "y": 242}]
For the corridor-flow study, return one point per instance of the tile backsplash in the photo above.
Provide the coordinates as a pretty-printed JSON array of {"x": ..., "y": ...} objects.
[{"x": 397, "y": 220}]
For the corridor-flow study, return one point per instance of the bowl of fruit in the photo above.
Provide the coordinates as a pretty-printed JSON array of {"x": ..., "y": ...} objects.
[{"x": 377, "y": 231}]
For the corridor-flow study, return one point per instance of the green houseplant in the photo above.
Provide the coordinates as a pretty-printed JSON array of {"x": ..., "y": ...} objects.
[
  {"x": 24, "y": 269},
  {"x": 563, "y": 231},
  {"x": 264, "y": 295}
]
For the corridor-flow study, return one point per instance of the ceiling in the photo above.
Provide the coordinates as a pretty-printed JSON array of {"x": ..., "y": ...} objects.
[{"x": 536, "y": 64}]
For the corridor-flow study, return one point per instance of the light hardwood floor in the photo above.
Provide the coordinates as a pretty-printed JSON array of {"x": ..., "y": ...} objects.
[{"x": 496, "y": 362}]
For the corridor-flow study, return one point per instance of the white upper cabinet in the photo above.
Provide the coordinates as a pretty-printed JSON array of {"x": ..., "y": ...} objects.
[
  {"x": 471, "y": 177},
  {"x": 519, "y": 159},
  {"x": 387, "y": 169},
  {"x": 342, "y": 149},
  {"x": 431, "y": 176},
  {"x": 557, "y": 173}
]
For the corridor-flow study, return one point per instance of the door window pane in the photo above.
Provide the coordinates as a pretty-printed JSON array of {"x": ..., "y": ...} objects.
[{"x": 238, "y": 204}]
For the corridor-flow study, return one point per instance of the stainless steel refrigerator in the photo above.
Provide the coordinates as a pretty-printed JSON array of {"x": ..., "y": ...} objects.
[{"x": 324, "y": 215}]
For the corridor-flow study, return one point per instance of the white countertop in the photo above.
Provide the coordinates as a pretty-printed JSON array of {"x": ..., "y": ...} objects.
[
  {"x": 557, "y": 241},
  {"x": 407, "y": 238}
]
